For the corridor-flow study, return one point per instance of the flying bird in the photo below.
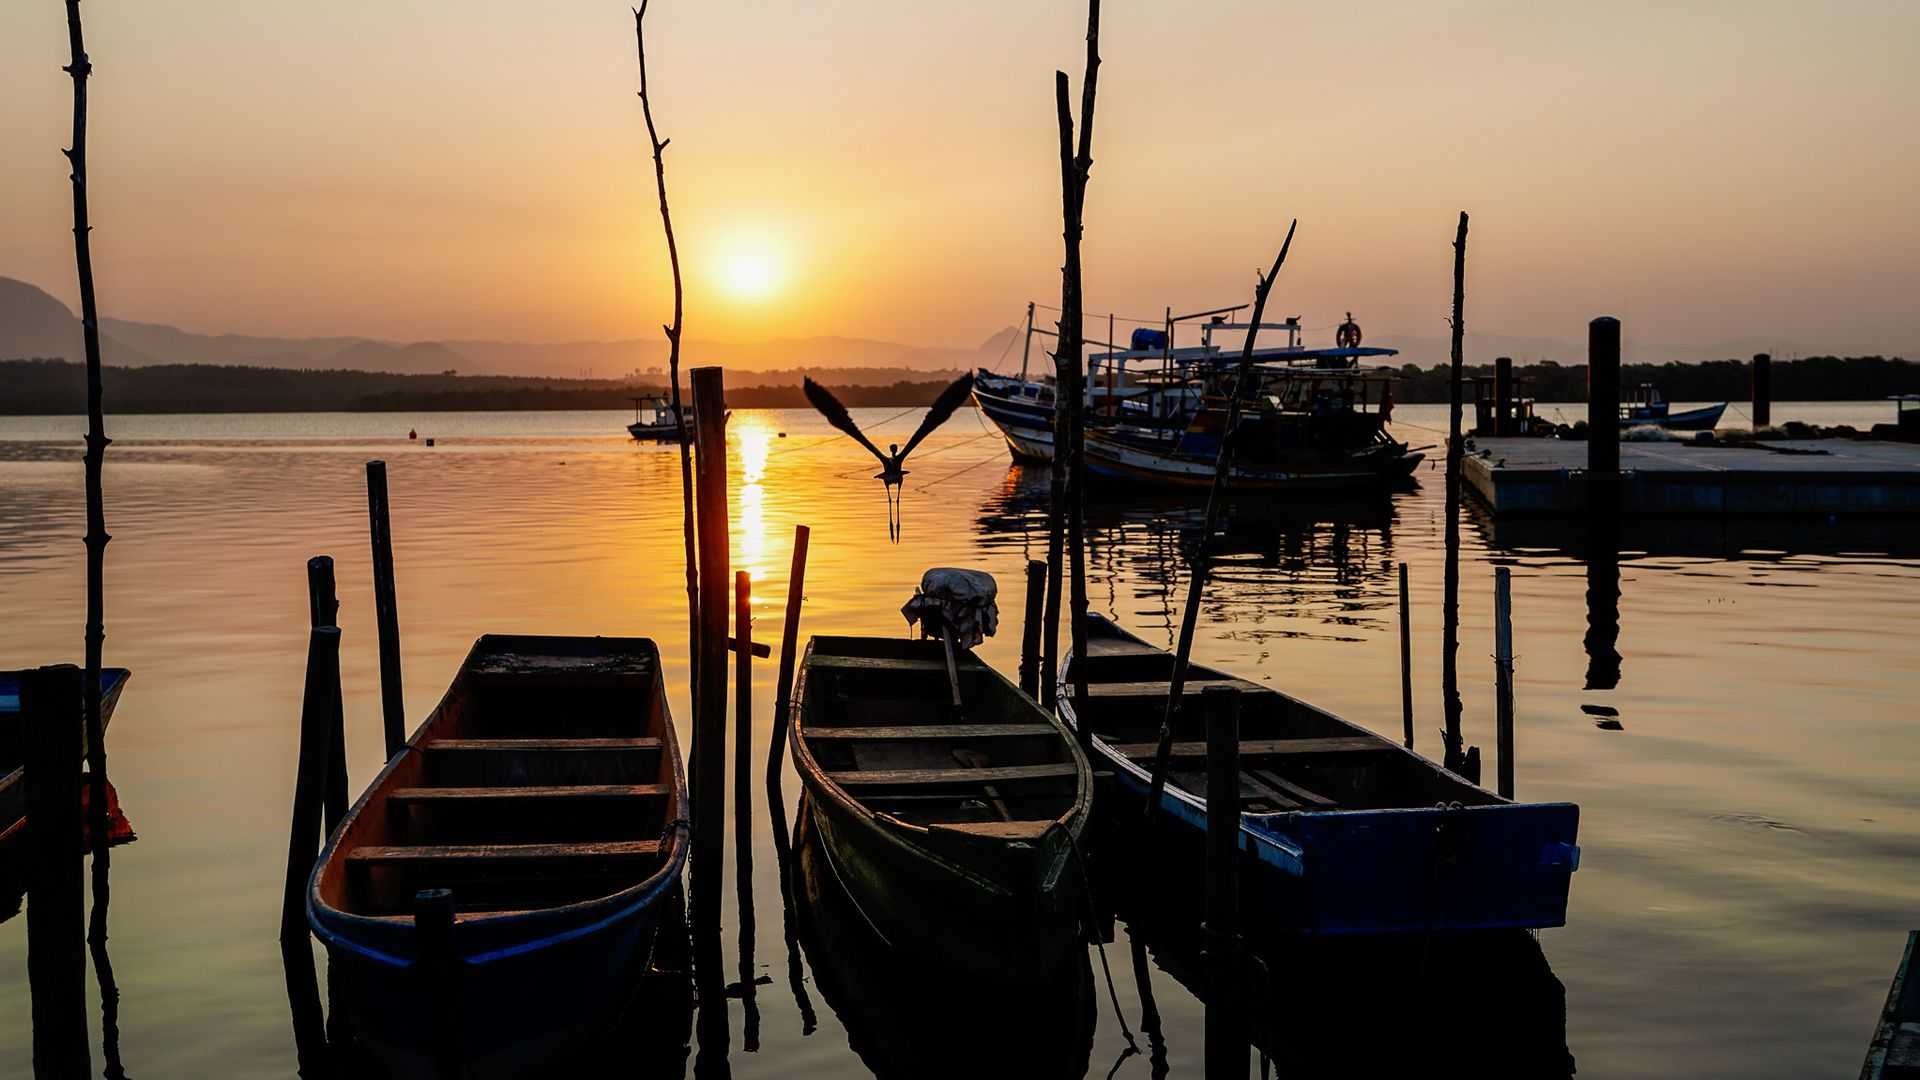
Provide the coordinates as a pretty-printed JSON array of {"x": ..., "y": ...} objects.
[{"x": 891, "y": 473}]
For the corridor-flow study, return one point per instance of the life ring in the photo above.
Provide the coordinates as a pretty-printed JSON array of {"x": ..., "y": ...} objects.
[{"x": 1348, "y": 336}]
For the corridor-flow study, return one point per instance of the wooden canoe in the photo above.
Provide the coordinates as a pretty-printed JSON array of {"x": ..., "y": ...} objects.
[
  {"x": 1348, "y": 832},
  {"x": 1894, "y": 1053},
  {"x": 546, "y": 792},
  {"x": 13, "y": 787},
  {"x": 954, "y": 835}
]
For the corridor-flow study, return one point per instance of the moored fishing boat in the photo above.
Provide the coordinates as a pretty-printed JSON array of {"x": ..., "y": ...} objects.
[
  {"x": 1643, "y": 406},
  {"x": 13, "y": 783},
  {"x": 660, "y": 420},
  {"x": 952, "y": 830},
  {"x": 546, "y": 792},
  {"x": 1347, "y": 832}
]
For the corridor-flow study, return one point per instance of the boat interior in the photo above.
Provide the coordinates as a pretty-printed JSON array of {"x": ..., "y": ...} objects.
[
  {"x": 878, "y": 717},
  {"x": 1293, "y": 757},
  {"x": 546, "y": 776}
]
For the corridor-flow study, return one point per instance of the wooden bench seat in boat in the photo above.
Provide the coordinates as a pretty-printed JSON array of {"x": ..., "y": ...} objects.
[
  {"x": 539, "y": 762},
  {"x": 1160, "y": 688},
  {"x": 933, "y": 731},
  {"x": 596, "y": 859},
  {"x": 1340, "y": 747},
  {"x": 955, "y": 776},
  {"x": 887, "y": 663},
  {"x": 530, "y": 794}
]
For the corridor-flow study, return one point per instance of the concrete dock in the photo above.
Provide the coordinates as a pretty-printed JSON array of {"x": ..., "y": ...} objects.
[{"x": 1823, "y": 477}]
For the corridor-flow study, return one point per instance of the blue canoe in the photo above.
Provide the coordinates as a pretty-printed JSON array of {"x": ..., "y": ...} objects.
[
  {"x": 546, "y": 792},
  {"x": 13, "y": 787},
  {"x": 1348, "y": 832}
]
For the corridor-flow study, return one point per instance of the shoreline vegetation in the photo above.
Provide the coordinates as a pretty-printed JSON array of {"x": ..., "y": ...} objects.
[{"x": 39, "y": 387}]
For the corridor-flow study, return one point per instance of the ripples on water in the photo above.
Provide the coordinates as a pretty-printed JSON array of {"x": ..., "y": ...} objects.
[{"x": 1732, "y": 711}]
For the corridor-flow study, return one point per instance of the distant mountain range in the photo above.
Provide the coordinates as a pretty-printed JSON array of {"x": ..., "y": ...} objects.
[
  {"x": 33, "y": 323},
  {"x": 36, "y": 324}
]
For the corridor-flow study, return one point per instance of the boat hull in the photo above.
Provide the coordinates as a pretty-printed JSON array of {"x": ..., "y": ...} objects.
[
  {"x": 1116, "y": 459},
  {"x": 1702, "y": 419},
  {"x": 1026, "y": 424},
  {"x": 13, "y": 785}
]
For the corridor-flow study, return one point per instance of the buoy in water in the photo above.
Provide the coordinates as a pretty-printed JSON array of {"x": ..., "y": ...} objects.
[
  {"x": 429, "y": 442},
  {"x": 412, "y": 434}
]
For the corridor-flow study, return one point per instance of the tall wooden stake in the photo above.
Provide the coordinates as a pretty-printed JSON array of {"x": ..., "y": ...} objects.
[
  {"x": 51, "y": 729},
  {"x": 96, "y": 539},
  {"x": 743, "y": 797},
  {"x": 789, "y": 644},
  {"x": 386, "y": 612},
  {"x": 710, "y": 701},
  {"x": 1406, "y": 660},
  {"x": 309, "y": 780},
  {"x": 1069, "y": 364},
  {"x": 1503, "y": 674},
  {"x": 1226, "y": 1026},
  {"x": 1030, "y": 628},
  {"x": 673, "y": 364},
  {"x": 324, "y": 610},
  {"x": 1216, "y": 496},
  {"x": 1452, "y": 740}
]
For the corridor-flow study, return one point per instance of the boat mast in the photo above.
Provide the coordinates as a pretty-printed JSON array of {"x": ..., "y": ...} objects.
[{"x": 1026, "y": 348}]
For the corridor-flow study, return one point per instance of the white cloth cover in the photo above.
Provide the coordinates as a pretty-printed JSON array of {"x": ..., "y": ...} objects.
[{"x": 960, "y": 599}]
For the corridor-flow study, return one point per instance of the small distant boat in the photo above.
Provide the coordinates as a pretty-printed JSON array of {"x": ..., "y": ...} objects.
[
  {"x": 1644, "y": 406},
  {"x": 1894, "y": 1053},
  {"x": 954, "y": 836},
  {"x": 1347, "y": 832},
  {"x": 546, "y": 792},
  {"x": 13, "y": 786},
  {"x": 654, "y": 418}
]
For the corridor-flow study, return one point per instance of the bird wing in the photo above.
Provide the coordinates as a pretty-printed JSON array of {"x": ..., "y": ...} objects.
[
  {"x": 836, "y": 415},
  {"x": 950, "y": 399}
]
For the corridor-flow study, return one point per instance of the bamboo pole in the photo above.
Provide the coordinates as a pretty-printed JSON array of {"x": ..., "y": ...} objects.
[
  {"x": 309, "y": 780},
  {"x": 789, "y": 645},
  {"x": 1226, "y": 1025},
  {"x": 1452, "y": 739},
  {"x": 1030, "y": 630},
  {"x": 52, "y": 728},
  {"x": 324, "y": 610},
  {"x": 1406, "y": 661},
  {"x": 1075, "y": 167},
  {"x": 1216, "y": 495},
  {"x": 673, "y": 363},
  {"x": 393, "y": 705},
  {"x": 80, "y": 67},
  {"x": 1503, "y": 675},
  {"x": 710, "y": 701}
]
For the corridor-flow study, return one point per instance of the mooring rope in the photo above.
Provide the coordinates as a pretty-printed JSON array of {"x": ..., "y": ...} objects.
[{"x": 1093, "y": 920}]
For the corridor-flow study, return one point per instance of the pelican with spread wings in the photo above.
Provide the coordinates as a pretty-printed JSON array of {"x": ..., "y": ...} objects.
[{"x": 891, "y": 472}]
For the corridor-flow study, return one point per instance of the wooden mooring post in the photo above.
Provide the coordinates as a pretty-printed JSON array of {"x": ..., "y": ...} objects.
[
  {"x": 1503, "y": 674},
  {"x": 309, "y": 782},
  {"x": 324, "y": 607},
  {"x": 1406, "y": 661},
  {"x": 1603, "y": 409},
  {"x": 52, "y": 735},
  {"x": 1226, "y": 1025},
  {"x": 439, "y": 965},
  {"x": 393, "y": 706},
  {"x": 710, "y": 701},
  {"x": 789, "y": 643},
  {"x": 1503, "y": 396},
  {"x": 1030, "y": 673},
  {"x": 1762, "y": 390}
]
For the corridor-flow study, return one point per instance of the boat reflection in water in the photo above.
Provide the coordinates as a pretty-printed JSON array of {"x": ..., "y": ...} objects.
[
  {"x": 909, "y": 1019},
  {"x": 1465, "y": 1004}
]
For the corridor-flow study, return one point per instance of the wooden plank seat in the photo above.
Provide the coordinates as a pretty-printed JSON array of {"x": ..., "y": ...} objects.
[
  {"x": 884, "y": 663},
  {"x": 528, "y": 794},
  {"x": 539, "y": 762},
  {"x": 1121, "y": 647},
  {"x": 596, "y": 859},
  {"x": 1160, "y": 688},
  {"x": 932, "y": 731},
  {"x": 1291, "y": 790},
  {"x": 956, "y": 776},
  {"x": 1328, "y": 750},
  {"x": 539, "y": 746}
]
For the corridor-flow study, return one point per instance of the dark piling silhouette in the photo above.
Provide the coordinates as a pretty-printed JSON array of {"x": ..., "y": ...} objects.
[
  {"x": 52, "y": 731},
  {"x": 386, "y": 610},
  {"x": 1452, "y": 740},
  {"x": 789, "y": 648}
]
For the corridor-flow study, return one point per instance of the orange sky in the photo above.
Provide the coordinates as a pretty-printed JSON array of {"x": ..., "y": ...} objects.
[{"x": 412, "y": 170}]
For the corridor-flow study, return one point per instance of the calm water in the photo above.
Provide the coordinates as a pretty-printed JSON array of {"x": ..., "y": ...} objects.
[{"x": 1751, "y": 831}]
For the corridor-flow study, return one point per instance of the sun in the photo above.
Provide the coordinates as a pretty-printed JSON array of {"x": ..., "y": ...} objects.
[{"x": 750, "y": 276}]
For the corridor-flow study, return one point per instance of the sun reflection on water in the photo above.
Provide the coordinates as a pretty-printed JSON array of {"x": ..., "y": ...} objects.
[{"x": 752, "y": 437}]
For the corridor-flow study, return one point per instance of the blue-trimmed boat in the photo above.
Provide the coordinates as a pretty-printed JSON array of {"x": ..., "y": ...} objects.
[
  {"x": 1643, "y": 406},
  {"x": 13, "y": 785},
  {"x": 546, "y": 792},
  {"x": 1348, "y": 832}
]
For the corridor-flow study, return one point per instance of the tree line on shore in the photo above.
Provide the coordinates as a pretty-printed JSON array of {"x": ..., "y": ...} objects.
[{"x": 43, "y": 387}]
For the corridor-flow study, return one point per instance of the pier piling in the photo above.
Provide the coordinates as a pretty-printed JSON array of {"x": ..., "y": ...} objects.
[
  {"x": 1503, "y": 674},
  {"x": 1603, "y": 404},
  {"x": 789, "y": 643},
  {"x": 52, "y": 734},
  {"x": 324, "y": 605},
  {"x": 1762, "y": 390},
  {"x": 1503, "y": 396},
  {"x": 1406, "y": 661},
  {"x": 433, "y": 938},
  {"x": 1226, "y": 1029},
  {"x": 310, "y": 775},
  {"x": 710, "y": 700},
  {"x": 1030, "y": 632},
  {"x": 393, "y": 706}
]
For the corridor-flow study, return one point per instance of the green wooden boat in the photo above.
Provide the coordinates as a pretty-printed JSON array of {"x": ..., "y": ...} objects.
[{"x": 952, "y": 829}]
